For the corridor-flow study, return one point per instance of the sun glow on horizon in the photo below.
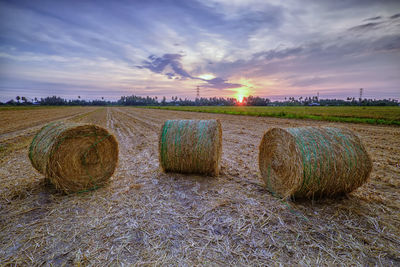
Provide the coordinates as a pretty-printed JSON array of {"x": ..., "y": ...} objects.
[
  {"x": 239, "y": 97},
  {"x": 243, "y": 91}
]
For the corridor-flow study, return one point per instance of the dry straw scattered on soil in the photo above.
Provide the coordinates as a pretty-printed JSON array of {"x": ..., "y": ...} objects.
[
  {"x": 191, "y": 146},
  {"x": 74, "y": 157},
  {"x": 147, "y": 218},
  {"x": 313, "y": 162}
]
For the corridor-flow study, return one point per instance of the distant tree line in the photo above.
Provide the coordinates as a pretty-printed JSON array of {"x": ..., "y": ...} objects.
[
  {"x": 211, "y": 101},
  {"x": 315, "y": 101}
]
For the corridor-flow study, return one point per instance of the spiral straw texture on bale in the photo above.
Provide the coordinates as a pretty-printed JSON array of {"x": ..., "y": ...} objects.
[
  {"x": 74, "y": 157},
  {"x": 313, "y": 162},
  {"x": 191, "y": 146}
]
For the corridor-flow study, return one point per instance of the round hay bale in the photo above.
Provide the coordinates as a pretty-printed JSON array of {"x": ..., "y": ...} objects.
[
  {"x": 191, "y": 146},
  {"x": 312, "y": 162},
  {"x": 74, "y": 157}
]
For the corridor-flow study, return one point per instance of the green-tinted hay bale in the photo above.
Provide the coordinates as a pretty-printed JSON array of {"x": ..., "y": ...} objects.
[
  {"x": 191, "y": 146},
  {"x": 74, "y": 157},
  {"x": 313, "y": 162}
]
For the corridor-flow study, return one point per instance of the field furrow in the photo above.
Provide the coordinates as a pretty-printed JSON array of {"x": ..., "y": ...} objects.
[{"x": 146, "y": 217}]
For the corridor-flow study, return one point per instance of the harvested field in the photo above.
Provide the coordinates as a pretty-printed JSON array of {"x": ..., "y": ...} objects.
[
  {"x": 13, "y": 120},
  {"x": 147, "y": 217},
  {"x": 389, "y": 115}
]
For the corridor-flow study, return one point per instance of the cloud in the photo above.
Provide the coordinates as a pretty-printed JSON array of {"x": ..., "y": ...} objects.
[
  {"x": 159, "y": 64},
  {"x": 395, "y": 16},
  {"x": 356, "y": 4},
  {"x": 390, "y": 43},
  {"x": 220, "y": 83},
  {"x": 172, "y": 62},
  {"x": 302, "y": 45},
  {"x": 366, "y": 26},
  {"x": 278, "y": 53},
  {"x": 374, "y": 18},
  {"x": 341, "y": 61}
]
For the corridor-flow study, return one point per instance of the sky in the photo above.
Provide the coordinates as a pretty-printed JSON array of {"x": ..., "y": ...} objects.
[{"x": 227, "y": 48}]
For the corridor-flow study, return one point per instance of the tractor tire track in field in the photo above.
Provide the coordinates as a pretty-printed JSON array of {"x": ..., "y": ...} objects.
[{"x": 135, "y": 147}]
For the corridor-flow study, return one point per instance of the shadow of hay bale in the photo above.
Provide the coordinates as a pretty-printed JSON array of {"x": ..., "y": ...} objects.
[
  {"x": 186, "y": 180},
  {"x": 29, "y": 189}
]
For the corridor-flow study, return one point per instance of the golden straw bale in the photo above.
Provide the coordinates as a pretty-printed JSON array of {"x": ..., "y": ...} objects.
[
  {"x": 74, "y": 157},
  {"x": 191, "y": 146},
  {"x": 313, "y": 162}
]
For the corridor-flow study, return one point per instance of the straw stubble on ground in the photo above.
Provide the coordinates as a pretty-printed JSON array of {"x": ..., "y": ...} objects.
[{"x": 145, "y": 217}]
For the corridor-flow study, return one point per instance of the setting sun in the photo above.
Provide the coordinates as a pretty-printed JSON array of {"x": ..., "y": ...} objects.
[
  {"x": 239, "y": 97},
  {"x": 243, "y": 91}
]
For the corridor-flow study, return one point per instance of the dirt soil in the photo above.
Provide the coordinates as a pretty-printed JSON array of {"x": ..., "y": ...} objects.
[{"x": 146, "y": 217}]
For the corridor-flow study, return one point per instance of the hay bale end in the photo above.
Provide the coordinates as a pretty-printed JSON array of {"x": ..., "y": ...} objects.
[{"x": 74, "y": 157}]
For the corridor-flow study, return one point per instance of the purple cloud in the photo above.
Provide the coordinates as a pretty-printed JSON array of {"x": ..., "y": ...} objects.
[{"x": 160, "y": 64}]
